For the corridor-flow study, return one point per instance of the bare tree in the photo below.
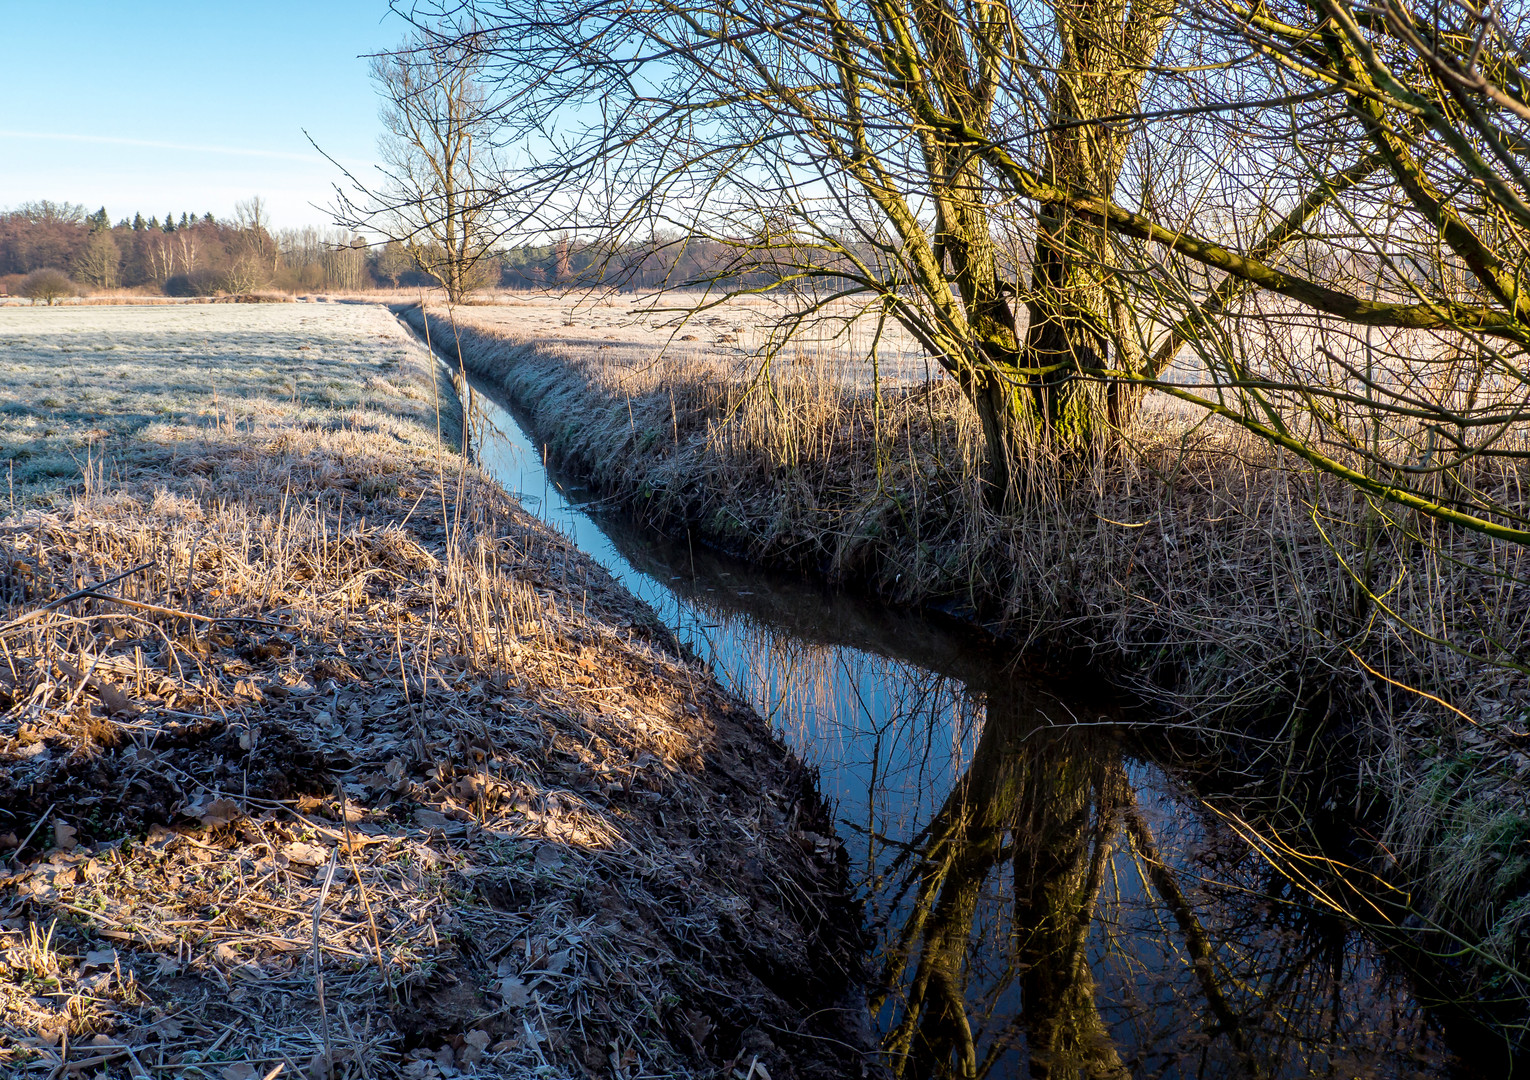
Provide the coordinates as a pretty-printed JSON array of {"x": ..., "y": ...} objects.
[
  {"x": 99, "y": 261},
  {"x": 438, "y": 156},
  {"x": 393, "y": 262},
  {"x": 839, "y": 150},
  {"x": 1061, "y": 201},
  {"x": 253, "y": 251}
]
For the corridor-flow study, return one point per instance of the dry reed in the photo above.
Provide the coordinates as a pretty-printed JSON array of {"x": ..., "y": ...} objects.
[{"x": 1272, "y": 615}]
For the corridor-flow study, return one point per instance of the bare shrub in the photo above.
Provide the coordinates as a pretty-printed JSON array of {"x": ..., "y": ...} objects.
[
  {"x": 47, "y": 285},
  {"x": 203, "y": 281}
]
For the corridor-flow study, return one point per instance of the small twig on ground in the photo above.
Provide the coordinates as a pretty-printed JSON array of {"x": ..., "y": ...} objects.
[
  {"x": 350, "y": 853},
  {"x": 178, "y": 614},
  {"x": 17, "y": 854},
  {"x": 318, "y": 969},
  {"x": 78, "y": 594}
]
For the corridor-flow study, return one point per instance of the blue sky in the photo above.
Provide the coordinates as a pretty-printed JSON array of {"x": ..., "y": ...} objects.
[{"x": 166, "y": 106}]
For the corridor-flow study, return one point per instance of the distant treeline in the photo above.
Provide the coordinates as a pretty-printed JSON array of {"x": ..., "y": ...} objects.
[
  {"x": 187, "y": 254},
  {"x": 672, "y": 261}
]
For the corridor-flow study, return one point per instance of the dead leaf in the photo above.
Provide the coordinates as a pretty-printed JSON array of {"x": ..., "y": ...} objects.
[
  {"x": 64, "y": 835},
  {"x": 115, "y": 700},
  {"x": 246, "y": 688},
  {"x": 241, "y": 1070},
  {"x": 431, "y": 819},
  {"x": 698, "y": 1025},
  {"x": 169, "y": 1027},
  {"x": 474, "y": 1044},
  {"x": 220, "y": 812},
  {"x": 102, "y": 958},
  {"x": 306, "y": 854},
  {"x": 514, "y": 992}
]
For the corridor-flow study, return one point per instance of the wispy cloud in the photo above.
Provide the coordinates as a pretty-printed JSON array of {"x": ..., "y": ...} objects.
[{"x": 113, "y": 140}]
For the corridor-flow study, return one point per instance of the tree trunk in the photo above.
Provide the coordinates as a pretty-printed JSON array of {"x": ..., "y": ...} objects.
[
  {"x": 1009, "y": 421},
  {"x": 1031, "y": 393},
  {"x": 1068, "y": 331}
]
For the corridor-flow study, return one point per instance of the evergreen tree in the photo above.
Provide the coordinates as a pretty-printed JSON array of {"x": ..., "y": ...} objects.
[
  {"x": 154, "y": 223},
  {"x": 138, "y": 225},
  {"x": 169, "y": 223},
  {"x": 208, "y": 219},
  {"x": 99, "y": 221},
  {"x": 185, "y": 220}
]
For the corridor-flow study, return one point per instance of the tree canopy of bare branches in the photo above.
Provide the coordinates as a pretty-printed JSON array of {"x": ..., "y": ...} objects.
[
  {"x": 1306, "y": 217},
  {"x": 438, "y": 160}
]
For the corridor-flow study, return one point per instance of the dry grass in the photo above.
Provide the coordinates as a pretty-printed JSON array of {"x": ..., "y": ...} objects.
[
  {"x": 362, "y": 771},
  {"x": 1207, "y": 573}
]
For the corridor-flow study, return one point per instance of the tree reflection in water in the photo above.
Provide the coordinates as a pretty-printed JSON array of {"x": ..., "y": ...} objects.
[
  {"x": 1044, "y": 902},
  {"x": 1047, "y": 905},
  {"x": 1068, "y": 913},
  {"x": 1049, "y": 807}
]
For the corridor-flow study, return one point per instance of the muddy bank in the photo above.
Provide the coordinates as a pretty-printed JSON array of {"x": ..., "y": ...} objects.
[
  {"x": 361, "y": 770},
  {"x": 1193, "y": 576}
]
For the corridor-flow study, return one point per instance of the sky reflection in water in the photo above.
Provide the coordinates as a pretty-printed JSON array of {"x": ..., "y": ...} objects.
[{"x": 1042, "y": 903}]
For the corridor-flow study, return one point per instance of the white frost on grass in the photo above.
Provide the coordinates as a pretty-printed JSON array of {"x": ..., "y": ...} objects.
[{"x": 123, "y": 385}]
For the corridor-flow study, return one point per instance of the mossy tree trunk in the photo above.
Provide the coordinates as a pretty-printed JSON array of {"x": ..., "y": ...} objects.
[{"x": 1029, "y": 387}]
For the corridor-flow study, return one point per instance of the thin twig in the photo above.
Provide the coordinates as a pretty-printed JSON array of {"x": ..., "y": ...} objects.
[
  {"x": 179, "y": 614},
  {"x": 318, "y": 968},
  {"x": 89, "y": 590}
]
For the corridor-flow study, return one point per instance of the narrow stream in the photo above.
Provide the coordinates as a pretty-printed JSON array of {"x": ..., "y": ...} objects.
[{"x": 1043, "y": 900}]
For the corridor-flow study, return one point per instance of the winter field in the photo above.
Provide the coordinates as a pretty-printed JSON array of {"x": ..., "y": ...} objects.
[
  {"x": 125, "y": 387},
  {"x": 303, "y": 767}
]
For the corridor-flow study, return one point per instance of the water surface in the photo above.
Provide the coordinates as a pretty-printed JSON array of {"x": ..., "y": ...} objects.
[{"x": 1044, "y": 899}]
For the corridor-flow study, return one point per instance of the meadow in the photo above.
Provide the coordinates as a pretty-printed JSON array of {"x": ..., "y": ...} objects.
[{"x": 319, "y": 756}]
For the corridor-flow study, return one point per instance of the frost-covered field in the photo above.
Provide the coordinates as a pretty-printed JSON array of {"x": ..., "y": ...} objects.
[
  {"x": 643, "y": 338},
  {"x": 133, "y": 386},
  {"x": 729, "y": 337}
]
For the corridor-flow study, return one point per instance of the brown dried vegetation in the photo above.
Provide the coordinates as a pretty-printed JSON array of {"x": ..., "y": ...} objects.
[
  {"x": 1213, "y": 577},
  {"x": 379, "y": 779}
]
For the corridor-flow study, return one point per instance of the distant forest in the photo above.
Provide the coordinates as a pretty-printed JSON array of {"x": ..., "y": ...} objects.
[{"x": 187, "y": 254}]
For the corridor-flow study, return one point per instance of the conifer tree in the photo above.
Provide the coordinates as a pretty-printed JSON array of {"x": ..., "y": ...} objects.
[{"x": 138, "y": 223}]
